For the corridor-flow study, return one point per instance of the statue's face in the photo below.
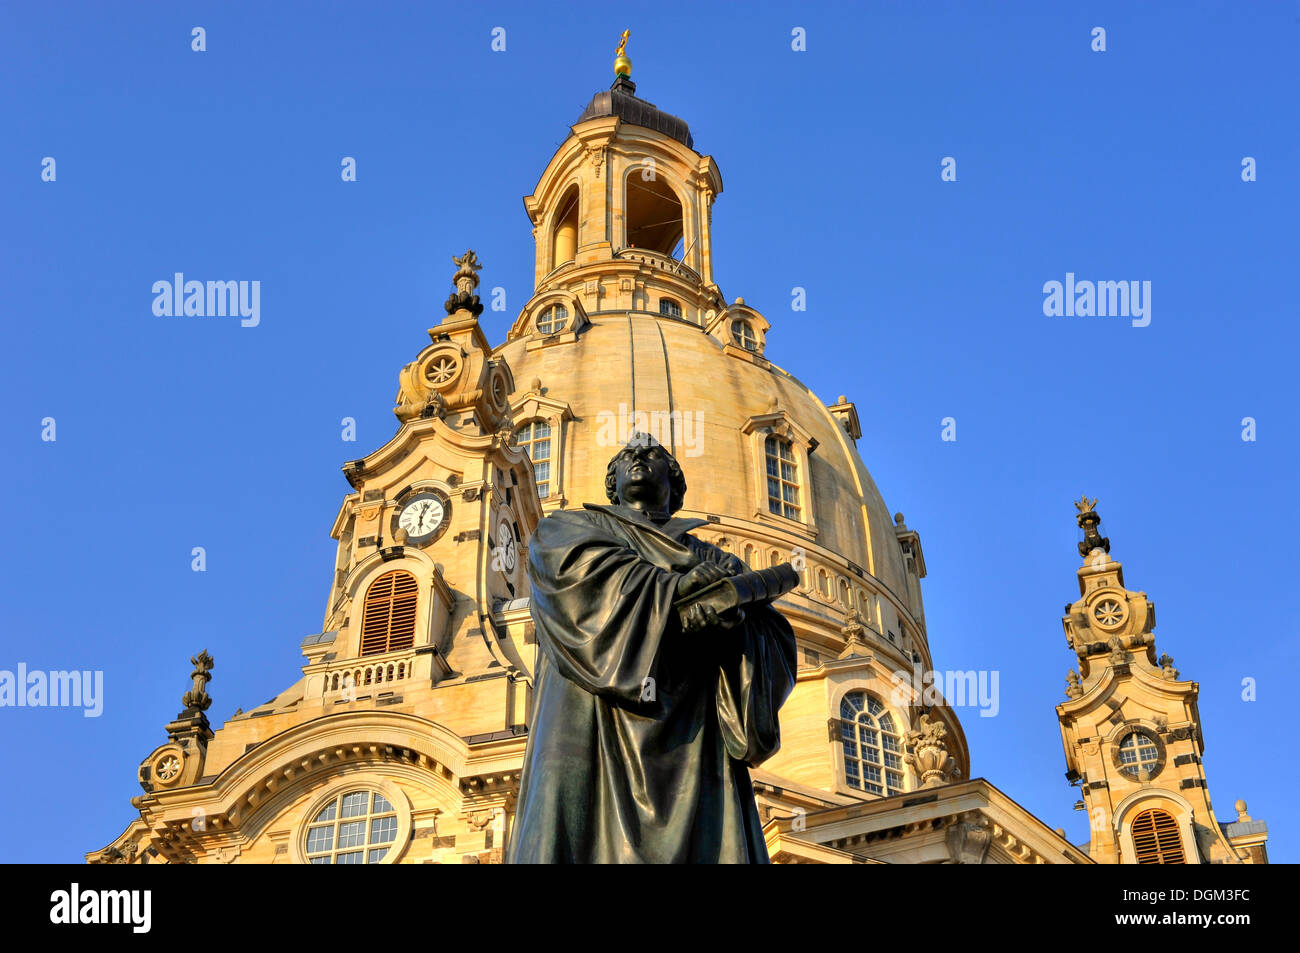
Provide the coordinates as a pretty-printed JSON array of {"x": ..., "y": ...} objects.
[{"x": 642, "y": 477}]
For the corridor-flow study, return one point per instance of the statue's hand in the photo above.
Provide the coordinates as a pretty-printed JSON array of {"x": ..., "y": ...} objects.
[
  {"x": 702, "y": 617},
  {"x": 705, "y": 574}
]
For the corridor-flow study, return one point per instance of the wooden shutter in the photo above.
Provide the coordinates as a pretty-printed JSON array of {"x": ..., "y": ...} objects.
[
  {"x": 388, "y": 619},
  {"x": 1156, "y": 839}
]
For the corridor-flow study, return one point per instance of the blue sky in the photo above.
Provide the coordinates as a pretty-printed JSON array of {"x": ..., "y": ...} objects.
[{"x": 924, "y": 302}]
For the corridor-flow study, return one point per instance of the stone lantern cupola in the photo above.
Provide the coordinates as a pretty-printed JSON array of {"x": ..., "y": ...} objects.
[{"x": 621, "y": 214}]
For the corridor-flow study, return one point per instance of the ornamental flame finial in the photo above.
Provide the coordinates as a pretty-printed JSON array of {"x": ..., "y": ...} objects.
[
  {"x": 197, "y": 698},
  {"x": 466, "y": 276},
  {"x": 1088, "y": 521},
  {"x": 466, "y": 279}
]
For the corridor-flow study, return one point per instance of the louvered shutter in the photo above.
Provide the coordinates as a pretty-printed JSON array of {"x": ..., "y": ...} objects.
[
  {"x": 1156, "y": 839},
  {"x": 388, "y": 619}
]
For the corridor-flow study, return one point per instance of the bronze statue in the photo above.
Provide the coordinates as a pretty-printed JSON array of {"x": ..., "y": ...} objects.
[{"x": 647, "y": 714}]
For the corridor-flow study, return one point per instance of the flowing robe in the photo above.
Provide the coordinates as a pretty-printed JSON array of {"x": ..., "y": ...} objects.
[{"x": 641, "y": 734}]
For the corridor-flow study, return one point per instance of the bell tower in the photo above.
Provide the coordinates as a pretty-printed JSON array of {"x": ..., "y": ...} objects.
[{"x": 1132, "y": 730}]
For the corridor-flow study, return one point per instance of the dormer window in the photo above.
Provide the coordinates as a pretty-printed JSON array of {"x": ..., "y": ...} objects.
[
  {"x": 782, "y": 478},
  {"x": 783, "y": 491},
  {"x": 743, "y": 334},
  {"x": 670, "y": 308},
  {"x": 553, "y": 320}
]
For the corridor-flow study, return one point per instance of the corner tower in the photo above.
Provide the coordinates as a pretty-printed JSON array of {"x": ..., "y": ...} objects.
[{"x": 1132, "y": 729}]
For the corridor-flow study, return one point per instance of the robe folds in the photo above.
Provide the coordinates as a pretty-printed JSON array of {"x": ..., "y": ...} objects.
[{"x": 641, "y": 734}]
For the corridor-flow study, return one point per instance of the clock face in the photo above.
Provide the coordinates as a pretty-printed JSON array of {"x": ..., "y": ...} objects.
[
  {"x": 506, "y": 548},
  {"x": 422, "y": 516}
]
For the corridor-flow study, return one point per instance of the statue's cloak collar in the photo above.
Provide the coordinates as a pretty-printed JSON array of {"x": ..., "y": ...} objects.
[{"x": 674, "y": 529}]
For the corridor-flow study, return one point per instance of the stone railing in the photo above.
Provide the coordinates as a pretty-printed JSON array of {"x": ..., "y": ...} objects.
[{"x": 362, "y": 674}]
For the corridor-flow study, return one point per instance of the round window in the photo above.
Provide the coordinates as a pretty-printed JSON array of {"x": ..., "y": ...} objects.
[{"x": 1140, "y": 755}]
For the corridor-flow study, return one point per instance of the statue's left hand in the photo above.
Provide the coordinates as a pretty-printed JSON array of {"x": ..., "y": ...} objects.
[{"x": 700, "y": 618}]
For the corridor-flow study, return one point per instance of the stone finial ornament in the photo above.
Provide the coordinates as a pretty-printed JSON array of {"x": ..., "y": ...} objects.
[
  {"x": 928, "y": 753},
  {"x": 854, "y": 631},
  {"x": 1072, "y": 687},
  {"x": 1167, "y": 669},
  {"x": 197, "y": 698},
  {"x": 466, "y": 276},
  {"x": 1088, "y": 521},
  {"x": 466, "y": 279}
]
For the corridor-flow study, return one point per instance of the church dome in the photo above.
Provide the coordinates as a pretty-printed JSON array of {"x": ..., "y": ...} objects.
[{"x": 706, "y": 399}]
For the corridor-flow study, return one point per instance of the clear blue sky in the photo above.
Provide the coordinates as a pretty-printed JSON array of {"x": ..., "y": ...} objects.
[{"x": 924, "y": 302}]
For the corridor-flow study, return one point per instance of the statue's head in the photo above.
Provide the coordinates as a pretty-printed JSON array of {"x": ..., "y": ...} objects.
[{"x": 645, "y": 475}]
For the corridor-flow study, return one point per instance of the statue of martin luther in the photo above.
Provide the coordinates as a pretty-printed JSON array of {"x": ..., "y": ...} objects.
[{"x": 646, "y": 718}]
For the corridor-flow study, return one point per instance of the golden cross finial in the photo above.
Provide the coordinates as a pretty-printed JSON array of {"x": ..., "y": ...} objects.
[{"x": 622, "y": 65}]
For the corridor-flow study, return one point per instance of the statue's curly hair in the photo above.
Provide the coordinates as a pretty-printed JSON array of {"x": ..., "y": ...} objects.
[{"x": 675, "y": 476}]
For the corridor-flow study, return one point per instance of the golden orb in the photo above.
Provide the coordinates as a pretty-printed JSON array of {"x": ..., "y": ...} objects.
[{"x": 622, "y": 65}]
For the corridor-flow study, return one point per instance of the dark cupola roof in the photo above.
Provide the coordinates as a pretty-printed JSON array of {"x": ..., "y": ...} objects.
[{"x": 621, "y": 100}]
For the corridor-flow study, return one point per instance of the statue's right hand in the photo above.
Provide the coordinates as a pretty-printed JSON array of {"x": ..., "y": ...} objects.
[{"x": 705, "y": 574}]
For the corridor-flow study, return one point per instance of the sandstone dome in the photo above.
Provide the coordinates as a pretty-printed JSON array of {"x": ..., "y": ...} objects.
[{"x": 624, "y": 363}]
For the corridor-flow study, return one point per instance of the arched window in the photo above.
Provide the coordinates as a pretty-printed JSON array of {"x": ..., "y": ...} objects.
[
  {"x": 873, "y": 749},
  {"x": 782, "y": 478},
  {"x": 564, "y": 240},
  {"x": 388, "y": 618},
  {"x": 535, "y": 437},
  {"x": 1156, "y": 839},
  {"x": 553, "y": 320},
  {"x": 355, "y": 828},
  {"x": 654, "y": 215},
  {"x": 743, "y": 335},
  {"x": 669, "y": 307}
]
